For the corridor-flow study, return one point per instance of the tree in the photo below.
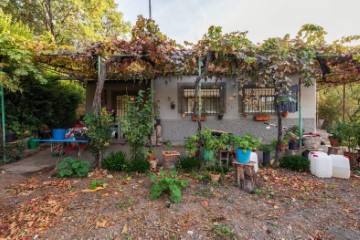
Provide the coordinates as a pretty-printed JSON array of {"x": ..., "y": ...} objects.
[
  {"x": 16, "y": 53},
  {"x": 69, "y": 21}
]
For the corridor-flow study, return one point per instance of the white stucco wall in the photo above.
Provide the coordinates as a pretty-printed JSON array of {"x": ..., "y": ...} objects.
[{"x": 176, "y": 128}]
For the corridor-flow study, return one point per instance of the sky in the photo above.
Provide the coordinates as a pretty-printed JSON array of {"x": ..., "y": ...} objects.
[{"x": 189, "y": 19}]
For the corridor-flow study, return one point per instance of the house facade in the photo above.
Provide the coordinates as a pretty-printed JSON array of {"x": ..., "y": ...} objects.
[{"x": 174, "y": 98}]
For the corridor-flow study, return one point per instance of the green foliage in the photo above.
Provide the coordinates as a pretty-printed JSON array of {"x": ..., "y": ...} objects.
[
  {"x": 295, "y": 163},
  {"x": 167, "y": 182},
  {"x": 16, "y": 53},
  {"x": 94, "y": 183},
  {"x": 222, "y": 230},
  {"x": 99, "y": 133},
  {"x": 267, "y": 148},
  {"x": 115, "y": 161},
  {"x": 70, "y": 21},
  {"x": 14, "y": 151},
  {"x": 189, "y": 164},
  {"x": 216, "y": 168},
  {"x": 246, "y": 143},
  {"x": 70, "y": 167},
  {"x": 349, "y": 133},
  {"x": 53, "y": 104},
  {"x": 139, "y": 165},
  {"x": 168, "y": 146},
  {"x": 137, "y": 125}
]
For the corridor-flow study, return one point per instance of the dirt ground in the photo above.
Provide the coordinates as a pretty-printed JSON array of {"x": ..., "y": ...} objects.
[{"x": 288, "y": 205}]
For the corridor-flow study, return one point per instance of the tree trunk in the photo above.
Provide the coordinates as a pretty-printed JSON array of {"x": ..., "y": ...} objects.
[
  {"x": 279, "y": 137},
  {"x": 100, "y": 85}
]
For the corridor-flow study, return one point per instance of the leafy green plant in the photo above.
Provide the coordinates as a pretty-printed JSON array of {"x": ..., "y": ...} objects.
[
  {"x": 267, "y": 148},
  {"x": 222, "y": 230},
  {"x": 138, "y": 123},
  {"x": 94, "y": 183},
  {"x": 167, "y": 182},
  {"x": 295, "y": 163},
  {"x": 115, "y": 161},
  {"x": 139, "y": 165},
  {"x": 168, "y": 146},
  {"x": 246, "y": 143},
  {"x": 99, "y": 133},
  {"x": 70, "y": 167},
  {"x": 349, "y": 133},
  {"x": 189, "y": 164},
  {"x": 218, "y": 169}
]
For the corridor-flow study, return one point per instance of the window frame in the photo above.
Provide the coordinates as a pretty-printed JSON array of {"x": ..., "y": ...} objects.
[
  {"x": 242, "y": 104},
  {"x": 182, "y": 103}
]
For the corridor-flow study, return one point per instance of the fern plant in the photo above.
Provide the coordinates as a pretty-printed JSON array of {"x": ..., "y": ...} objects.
[
  {"x": 70, "y": 167},
  {"x": 167, "y": 182}
]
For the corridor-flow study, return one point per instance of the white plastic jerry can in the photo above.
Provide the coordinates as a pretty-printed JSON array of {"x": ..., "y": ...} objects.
[
  {"x": 254, "y": 158},
  {"x": 321, "y": 164},
  {"x": 341, "y": 166}
]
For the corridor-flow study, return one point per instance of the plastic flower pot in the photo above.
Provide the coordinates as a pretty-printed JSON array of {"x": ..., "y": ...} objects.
[
  {"x": 58, "y": 134},
  {"x": 242, "y": 156},
  {"x": 32, "y": 144},
  {"x": 208, "y": 155}
]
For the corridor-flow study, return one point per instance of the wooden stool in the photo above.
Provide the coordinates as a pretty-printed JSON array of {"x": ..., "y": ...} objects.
[
  {"x": 244, "y": 175},
  {"x": 224, "y": 156}
]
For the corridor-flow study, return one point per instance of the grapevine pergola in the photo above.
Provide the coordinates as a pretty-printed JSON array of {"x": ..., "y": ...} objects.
[{"x": 150, "y": 54}]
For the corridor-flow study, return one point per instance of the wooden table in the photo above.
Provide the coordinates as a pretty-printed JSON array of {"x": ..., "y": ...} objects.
[{"x": 244, "y": 175}]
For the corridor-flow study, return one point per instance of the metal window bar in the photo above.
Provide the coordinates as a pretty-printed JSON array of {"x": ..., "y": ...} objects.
[
  {"x": 210, "y": 100},
  {"x": 257, "y": 100}
]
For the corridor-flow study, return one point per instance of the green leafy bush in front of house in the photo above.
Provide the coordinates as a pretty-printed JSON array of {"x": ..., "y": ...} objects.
[
  {"x": 167, "y": 182},
  {"x": 189, "y": 164},
  {"x": 138, "y": 123},
  {"x": 70, "y": 167},
  {"x": 139, "y": 165},
  {"x": 99, "y": 133},
  {"x": 115, "y": 161},
  {"x": 295, "y": 163}
]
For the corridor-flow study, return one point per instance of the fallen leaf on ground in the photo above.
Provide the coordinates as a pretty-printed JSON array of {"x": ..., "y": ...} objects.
[
  {"x": 125, "y": 229},
  {"x": 93, "y": 190}
]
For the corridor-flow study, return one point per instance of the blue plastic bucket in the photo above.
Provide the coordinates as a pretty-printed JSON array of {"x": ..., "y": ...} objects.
[
  {"x": 208, "y": 155},
  {"x": 58, "y": 134},
  {"x": 241, "y": 156}
]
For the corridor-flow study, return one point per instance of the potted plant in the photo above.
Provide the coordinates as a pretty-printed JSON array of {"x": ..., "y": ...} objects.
[
  {"x": 221, "y": 113},
  {"x": 244, "y": 146},
  {"x": 350, "y": 137},
  {"x": 334, "y": 136},
  {"x": 202, "y": 117},
  {"x": 191, "y": 144},
  {"x": 267, "y": 149},
  {"x": 284, "y": 114},
  {"x": 151, "y": 157},
  {"x": 261, "y": 116},
  {"x": 172, "y": 103},
  {"x": 214, "y": 172},
  {"x": 169, "y": 157},
  {"x": 210, "y": 143}
]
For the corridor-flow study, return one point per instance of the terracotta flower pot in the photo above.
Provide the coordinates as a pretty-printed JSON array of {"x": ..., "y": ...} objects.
[
  {"x": 284, "y": 114},
  {"x": 215, "y": 177},
  {"x": 195, "y": 118},
  {"x": 262, "y": 118},
  {"x": 334, "y": 142}
]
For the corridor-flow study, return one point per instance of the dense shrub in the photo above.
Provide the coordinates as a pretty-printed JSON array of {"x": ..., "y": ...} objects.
[
  {"x": 115, "y": 161},
  {"x": 295, "y": 163},
  {"x": 139, "y": 165},
  {"x": 70, "y": 167},
  {"x": 189, "y": 164}
]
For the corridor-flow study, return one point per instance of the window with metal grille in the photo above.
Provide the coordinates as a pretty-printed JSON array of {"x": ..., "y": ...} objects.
[
  {"x": 212, "y": 98},
  {"x": 257, "y": 100}
]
